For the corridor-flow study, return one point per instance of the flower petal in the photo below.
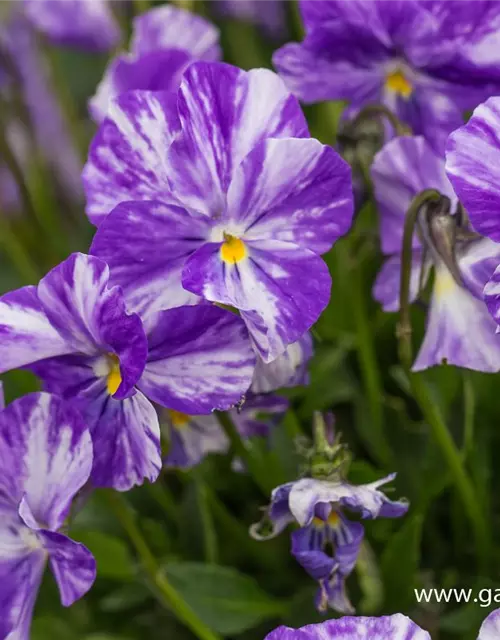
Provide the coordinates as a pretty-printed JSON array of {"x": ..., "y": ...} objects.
[
  {"x": 189, "y": 368},
  {"x": 280, "y": 289},
  {"x": 127, "y": 158},
  {"x": 146, "y": 245},
  {"x": 459, "y": 331},
  {"x": 490, "y": 629},
  {"x": 386, "y": 289},
  {"x": 293, "y": 190},
  {"x": 72, "y": 564},
  {"x": 473, "y": 167},
  {"x": 258, "y": 415},
  {"x": 92, "y": 317},
  {"x": 224, "y": 113},
  {"x": 86, "y": 24},
  {"x": 46, "y": 456},
  {"x": 401, "y": 170},
  {"x": 190, "y": 442},
  {"x": 27, "y": 335},
  {"x": 169, "y": 27}
]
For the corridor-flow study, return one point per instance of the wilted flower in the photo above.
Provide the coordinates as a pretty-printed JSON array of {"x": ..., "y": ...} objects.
[
  {"x": 459, "y": 329},
  {"x": 165, "y": 41},
  {"x": 46, "y": 458}
]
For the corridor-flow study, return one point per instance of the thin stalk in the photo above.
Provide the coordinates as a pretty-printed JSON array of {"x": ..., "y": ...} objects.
[
  {"x": 469, "y": 410},
  {"x": 430, "y": 410},
  {"x": 166, "y": 592},
  {"x": 207, "y": 522},
  {"x": 374, "y": 110},
  {"x": 17, "y": 253}
]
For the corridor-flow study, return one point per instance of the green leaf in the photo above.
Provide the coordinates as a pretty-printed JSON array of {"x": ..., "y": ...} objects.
[
  {"x": 226, "y": 600},
  {"x": 400, "y": 563},
  {"x": 112, "y": 555}
]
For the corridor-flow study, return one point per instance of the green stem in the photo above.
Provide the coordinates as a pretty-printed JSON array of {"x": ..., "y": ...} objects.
[
  {"x": 377, "y": 110},
  {"x": 209, "y": 534},
  {"x": 166, "y": 592},
  {"x": 421, "y": 393},
  {"x": 469, "y": 410},
  {"x": 15, "y": 250}
]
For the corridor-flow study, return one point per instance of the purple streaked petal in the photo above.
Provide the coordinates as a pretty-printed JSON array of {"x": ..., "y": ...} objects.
[
  {"x": 92, "y": 317},
  {"x": 224, "y": 113},
  {"x": 473, "y": 167},
  {"x": 287, "y": 370},
  {"x": 278, "y": 515},
  {"x": 490, "y": 629},
  {"x": 189, "y": 368},
  {"x": 292, "y": 190},
  {"x": 332, "y": 593},
  {"x": 169, "y": 27},
  {"x": 126, "y": 434},
  {"x": 459, "y": 330},
  {"x": 401, "y": 170},
  {"x": 477, "y": 261},
  {"x": 26, "y": 333},
  {"x": 146, "y": 245},
  {"x": 365, "y": 499},
  {"x": 393, "y": 627},
  {"x": 154, "y": 71},
  {"x": 86, "y": 24},
  {"x": 386, "y": 289},
  {"x": 307, "y": 548},
  {"x": 72, "y": 564},
  {"x": 191, "y": 441},
  {"x": 280, "y": 288},
  {"x": 127, "y": 158},
  {"x": 259, "y": 414},
  {"x": 492, "y": 297},
  {"x": 46, "y": 455}
]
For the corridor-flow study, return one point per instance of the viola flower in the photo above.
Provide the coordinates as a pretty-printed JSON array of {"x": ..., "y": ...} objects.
[
  {"x": 46, "y": 458},
  {"x": 233, "y": 204},
  {"x": 192, "y": 437},
  {"x": 75, "y": 332},
  {"x": 327, "y": 543},
  {"x": 428, "y": 62},
  {"x": 490, "y": 629},
  {"x": 165, "y": 40},
  {"x": 84, "y": 24},
  {"x": 270, "y": 15},
  {"x": 355, "y": 628},
  {"x": 459, "y": 329}
]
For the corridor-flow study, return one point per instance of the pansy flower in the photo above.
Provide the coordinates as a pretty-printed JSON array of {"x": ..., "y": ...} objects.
[
  {"x": 165, "y": 40},
  {"x": 45, "y": 459},
  {"x": 75, "y": 332},
  {"x": 428, "y": 62},
  {"x": 228, "y": 200},
  {"x": 327, "y": 543},
  {"x": 191, "y": 437},
  {"x": 459, "y": 329},
  {"x": 84, "y": 24}
]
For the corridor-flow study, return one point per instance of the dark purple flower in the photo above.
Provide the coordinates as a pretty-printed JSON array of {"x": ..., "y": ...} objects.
[
  {"x": 459, "y": 330},
  {"x": 85, "y": 24},
  {"x": 45, "y": 459},
  {"x": 165, "y": 41},
  {"x": 395, "y": 627},
  {"x": 228, "y": 200},
  {"x": 75, "y": 332},
  {"x": 428, "y": 62}
]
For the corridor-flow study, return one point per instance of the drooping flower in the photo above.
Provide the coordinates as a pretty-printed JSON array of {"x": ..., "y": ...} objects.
[
  {"x": 355, "y": 628},
  {"x": 75, "y": 332},
  {"x": 237, "y": 203},
  {"x": 85, "y": 24},
  {"x": 459, "y": 329},
  {"x": 427, "y": 62},
  {"x": 46, "y": 458},
  {"x": 165, "y": 41},
  {"x": 327, "y": 543},
  {"x": 192, "y": 437}
]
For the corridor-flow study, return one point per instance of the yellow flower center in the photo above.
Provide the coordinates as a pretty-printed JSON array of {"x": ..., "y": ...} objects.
[
  {"x": 114, "y": 378},
  {"x": 178, "y": 419},
  {"x": 233, "y": 250},
  {"x": 444, "y": 283},
  {"x": 332, "y": 520},
  {"x": 398, "y": 83}
]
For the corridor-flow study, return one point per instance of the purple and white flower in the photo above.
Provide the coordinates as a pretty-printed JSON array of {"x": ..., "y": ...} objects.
[
  {"x": 226, "y": 199},
  {"x": 490, "y": 629},
  {"x": 85, "y": 24},
  {"x": 75, "y": 332},
  {"x": 392, "y": 627},
  {"x": 326, "y": 544},
  {"x": 427, "y": 62},
  {"x": 46, "y": 458},
  {"x": 459, "y": 329},
  {"x": 192, "y": 437},
  {"x": 164, "y": 42}
]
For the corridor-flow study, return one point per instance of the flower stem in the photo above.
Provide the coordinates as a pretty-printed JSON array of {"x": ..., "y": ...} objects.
[
  {"x": 17, "y": 253},
  {"x": 166, "y": 592},
  {"x": 430, "y": 410},
  {"x": 379, "y": 110}
]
